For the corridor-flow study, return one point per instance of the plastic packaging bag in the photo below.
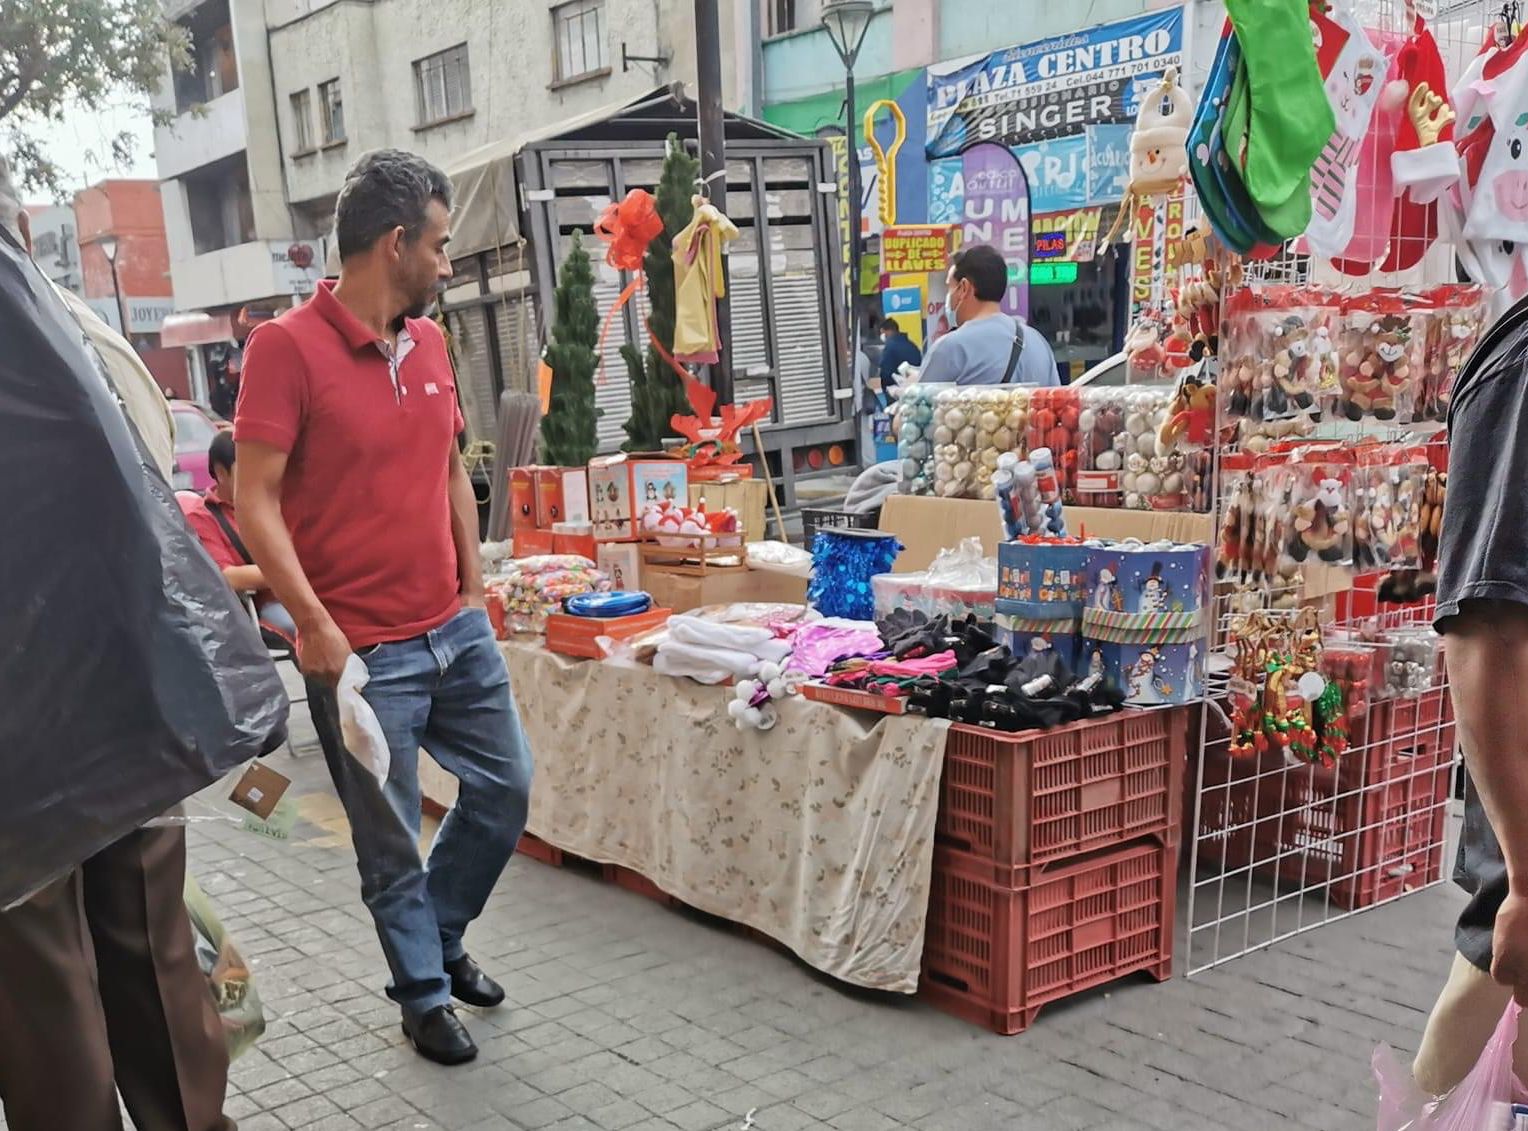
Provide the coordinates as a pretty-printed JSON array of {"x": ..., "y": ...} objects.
[
  {"x": 132, "y": 676},
  {"x": 1482, "y": 1102},
  {"x": 228, "y": 977},
  {"x": 358, "y": 722}
]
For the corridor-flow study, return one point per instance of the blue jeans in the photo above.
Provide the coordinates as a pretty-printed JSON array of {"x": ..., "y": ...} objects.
[{"x": 449, "y": 692}]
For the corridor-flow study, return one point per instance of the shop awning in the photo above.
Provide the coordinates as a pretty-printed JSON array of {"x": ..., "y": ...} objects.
[{"x": 195, "y": 328}]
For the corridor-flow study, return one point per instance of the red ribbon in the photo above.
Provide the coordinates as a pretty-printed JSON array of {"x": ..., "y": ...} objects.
[{"x": 627, "y": 227}]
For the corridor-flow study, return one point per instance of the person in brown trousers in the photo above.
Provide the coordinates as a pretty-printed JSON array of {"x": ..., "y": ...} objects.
[{"x": 100, "y": 991}]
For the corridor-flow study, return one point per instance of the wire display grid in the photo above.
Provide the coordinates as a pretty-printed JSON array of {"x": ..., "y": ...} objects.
[{"x": 1281, "y": 845}]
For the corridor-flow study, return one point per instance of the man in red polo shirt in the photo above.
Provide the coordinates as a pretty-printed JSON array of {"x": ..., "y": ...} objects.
[{"x": 356, "y": 505}]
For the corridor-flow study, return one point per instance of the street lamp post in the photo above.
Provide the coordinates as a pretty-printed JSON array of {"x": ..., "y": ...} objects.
[
  {"x": 846, "y": 22},
  {"x": 108, "y": 246}
]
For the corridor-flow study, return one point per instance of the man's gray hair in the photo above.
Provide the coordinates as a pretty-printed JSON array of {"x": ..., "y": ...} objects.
[{"x": 10, "y": 201}]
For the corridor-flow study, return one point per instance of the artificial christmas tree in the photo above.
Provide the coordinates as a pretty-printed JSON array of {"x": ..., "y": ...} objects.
[
  {"x": 568, "y": 431},
  {"x": 656, "y": 391}
]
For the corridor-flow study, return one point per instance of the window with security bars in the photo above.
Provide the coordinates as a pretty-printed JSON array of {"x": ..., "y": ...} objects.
[
  {"x": 782, "y": 17},
  {"x": 442, "y": 85},
  {"x": 302, "y": 121},
  {"x": 579, "y": 31},
  {"x": 332, "y": 109}
]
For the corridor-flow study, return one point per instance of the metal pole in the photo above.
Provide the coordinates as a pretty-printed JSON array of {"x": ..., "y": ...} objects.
[
  {"x": 713, "y": 164},
  {"x": 851, "y": 151},
  {"x": 116, "y": 293}
]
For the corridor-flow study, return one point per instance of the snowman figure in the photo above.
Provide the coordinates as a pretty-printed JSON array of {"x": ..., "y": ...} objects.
[
  {"x": 1106, "y": 594},
  {"x": 1145, "y": 688},
  {"x": 1154, "y": 591},
  {"x": 1096, "y": 664}
]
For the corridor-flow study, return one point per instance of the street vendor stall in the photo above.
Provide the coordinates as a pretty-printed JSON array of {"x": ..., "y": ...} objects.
[{"x": 818, "y": 833}]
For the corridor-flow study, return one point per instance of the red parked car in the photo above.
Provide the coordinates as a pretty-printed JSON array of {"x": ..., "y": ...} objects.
[{"x": 194, "y": 428}]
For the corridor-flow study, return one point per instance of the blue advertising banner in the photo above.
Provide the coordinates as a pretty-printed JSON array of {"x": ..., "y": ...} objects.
[{"x": 1065, "y": 107}]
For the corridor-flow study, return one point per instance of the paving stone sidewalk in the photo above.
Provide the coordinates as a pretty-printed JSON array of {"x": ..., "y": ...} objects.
[{"x": 623, "y": 1014}]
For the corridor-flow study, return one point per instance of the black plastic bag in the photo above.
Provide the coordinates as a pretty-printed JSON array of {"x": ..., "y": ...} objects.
[{"x": 130, "y": 675}]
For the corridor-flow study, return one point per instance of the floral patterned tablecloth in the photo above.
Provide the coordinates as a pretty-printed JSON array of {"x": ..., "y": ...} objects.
[{"x": 819, "y": 832}]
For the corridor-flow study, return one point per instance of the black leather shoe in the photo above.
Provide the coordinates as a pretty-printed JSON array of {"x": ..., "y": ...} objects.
[
  {"x": 471, "y": 985},
  {"x": 437, "y": 1035}
]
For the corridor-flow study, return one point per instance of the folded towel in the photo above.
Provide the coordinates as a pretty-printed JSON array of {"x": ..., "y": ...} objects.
[
  {"x": 740, "y": 637},
  {"x": 704, "y": 664}
]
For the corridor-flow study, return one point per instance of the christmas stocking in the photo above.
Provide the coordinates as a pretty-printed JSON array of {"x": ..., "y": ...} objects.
[
  {"x": 1290, "y": 118},
  {"x": 1374, "y": 186},
  {"x": 1285, "y": 218},
  {"x": 1425, "y": 161},
  {"x": 1352, "y": 67},
  {"x": 1206, "y": 150}
]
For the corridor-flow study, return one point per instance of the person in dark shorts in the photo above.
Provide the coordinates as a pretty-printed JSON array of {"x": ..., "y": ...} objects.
[{"x": 1483, "y": 612}]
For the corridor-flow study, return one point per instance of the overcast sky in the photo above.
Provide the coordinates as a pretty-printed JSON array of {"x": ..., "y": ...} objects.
[{"x": 81, "y": 144}]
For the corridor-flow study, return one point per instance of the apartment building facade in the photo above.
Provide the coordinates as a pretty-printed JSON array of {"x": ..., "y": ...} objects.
[{"x": 284, "y": 95}]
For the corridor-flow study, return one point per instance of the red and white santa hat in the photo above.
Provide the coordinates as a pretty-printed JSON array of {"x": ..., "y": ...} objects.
[{"x": 1424, "y": 172}]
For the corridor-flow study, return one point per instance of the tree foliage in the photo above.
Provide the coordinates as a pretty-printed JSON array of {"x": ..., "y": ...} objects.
[
  {"x": 83, "y": 54},
  {"x": 569, "y": 433},
  {"x": 656, "y": 391}
]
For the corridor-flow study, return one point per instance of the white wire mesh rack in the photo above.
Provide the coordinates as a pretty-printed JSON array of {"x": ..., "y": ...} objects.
[{"x": 1282, "y": 845}]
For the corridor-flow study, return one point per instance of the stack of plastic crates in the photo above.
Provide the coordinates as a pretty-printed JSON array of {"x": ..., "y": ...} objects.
[
  {"x": 1363, "y": 831},
  {"x": 1055, "y": 863}
]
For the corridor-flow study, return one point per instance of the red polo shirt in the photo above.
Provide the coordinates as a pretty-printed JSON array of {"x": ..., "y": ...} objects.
[
  {"x": 199, "y": 517},
  {"x": 365, "y": 492}
]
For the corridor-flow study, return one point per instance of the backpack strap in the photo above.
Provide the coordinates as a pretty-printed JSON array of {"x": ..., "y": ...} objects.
[
  {"x": 1016, "y": 352},
  {"x": 231, "y": 531}
]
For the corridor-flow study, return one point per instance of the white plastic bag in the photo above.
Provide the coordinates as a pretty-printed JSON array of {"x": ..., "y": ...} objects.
[{"x": 358, "y": 722}]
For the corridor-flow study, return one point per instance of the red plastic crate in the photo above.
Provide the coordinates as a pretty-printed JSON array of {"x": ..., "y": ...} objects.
[
  {"x": 534, "y": 848},
  {"x": 639, "y": 884},
  {"x": 1021, "y": 800},
  {"x": 994, "y": 955},
  {"x": 1367, "y": 829},
  {"x": 1368, "y": 841}
]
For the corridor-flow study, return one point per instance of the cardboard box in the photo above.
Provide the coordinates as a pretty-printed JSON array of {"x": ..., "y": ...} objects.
[
  {"x": 549, "y": 509},
  {"x": 581, "y": 543},
  {"x": 682, "y": 592},
  {"x": 746, "y": 496},
  {"x": 522, "y": 499},
  {"x": 621, "y": 485},
  {"x": 622, "y": 563},
  {"x": 575, "y": 494},
  {"x": 529, "y": 542},
  {"x": 925, "y": 525},
  {"x": 575, "y": 636}
]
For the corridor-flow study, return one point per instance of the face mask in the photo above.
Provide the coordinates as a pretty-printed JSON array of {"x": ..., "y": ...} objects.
[{"x": 949, "y": 310}]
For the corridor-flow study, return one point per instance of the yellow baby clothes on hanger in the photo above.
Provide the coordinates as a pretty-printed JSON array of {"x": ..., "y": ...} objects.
[{"x": 699, "y": 282}]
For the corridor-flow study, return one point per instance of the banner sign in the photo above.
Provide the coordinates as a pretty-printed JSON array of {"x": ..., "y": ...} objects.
[
  {"x": 1065, "y": 105},
  {"x": 1158, "y": 225},
  {"x": 923, "y": 250},
  {"x": 995, "y": 211},
  {"x": 1070, "y": 237}
]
